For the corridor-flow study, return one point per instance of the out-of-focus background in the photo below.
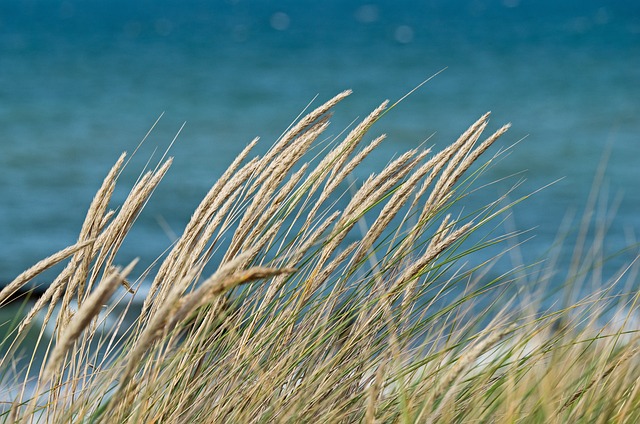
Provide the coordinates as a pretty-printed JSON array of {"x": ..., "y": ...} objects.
[{"x": 82, "y": 81}]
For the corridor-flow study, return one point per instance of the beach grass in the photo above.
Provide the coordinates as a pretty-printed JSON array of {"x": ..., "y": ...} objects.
[{"x": 297, "y": 293}]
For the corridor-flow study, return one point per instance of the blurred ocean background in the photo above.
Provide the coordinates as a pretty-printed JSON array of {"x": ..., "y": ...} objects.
[{"x": 82, "y": 81}]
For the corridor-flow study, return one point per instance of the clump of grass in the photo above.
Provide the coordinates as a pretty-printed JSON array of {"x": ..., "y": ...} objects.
[{"x": 305, "y": 315}]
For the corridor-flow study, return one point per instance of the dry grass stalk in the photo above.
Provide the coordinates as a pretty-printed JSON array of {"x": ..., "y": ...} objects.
[
  {"x": 417, "y": 268},
  {"x": 188, "y": 252},
  {"x": 391, "y": 209},
  {"x": 348, "y": 168},
  {"x": 264, "y": 205},
  {"x": 300, "y": 127},
  {"x": 450, "y": 157},
  {"x": 329, "y": 342},
  {"x": 157, "y": 325},
  {"x": 374, "y": 393},
  {"x": 51, "y": 295},
  {"x": 173, "y": 266},
  {"x": 95, "y": 218},
  {"x": 338, "y": 170},
  {"x": 627, "y": 354},
  {"x": 86, "y": 313},
  {"x": 366, "y": 197},
  {"x": 437, "y": 239},
  {"x": 333, "y": 167},
  {"x": 446, "y": 386},
  {"x": 39, "y": 268},
  {"x": 454, "y": 164},
  {"x": 212, "y": 288}
]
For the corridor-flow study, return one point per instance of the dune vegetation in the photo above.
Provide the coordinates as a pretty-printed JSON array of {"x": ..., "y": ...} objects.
[{"x": 297, "y": 293}]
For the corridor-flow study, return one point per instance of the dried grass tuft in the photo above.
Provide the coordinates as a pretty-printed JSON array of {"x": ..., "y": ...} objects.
[{"x": 317, "y": 306}]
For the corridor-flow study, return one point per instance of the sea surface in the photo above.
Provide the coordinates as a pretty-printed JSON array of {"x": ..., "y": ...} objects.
[{"x": 81, "y": 81}]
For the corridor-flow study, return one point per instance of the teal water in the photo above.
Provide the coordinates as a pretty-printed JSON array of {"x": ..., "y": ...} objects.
[{"x": 80, "y": 82}]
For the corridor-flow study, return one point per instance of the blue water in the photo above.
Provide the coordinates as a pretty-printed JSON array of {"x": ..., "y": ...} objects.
[{"x": 80, "y": 82}]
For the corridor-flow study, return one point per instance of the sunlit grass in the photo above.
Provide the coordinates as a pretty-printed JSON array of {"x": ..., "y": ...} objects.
[{"x": 295, "y": 295}]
